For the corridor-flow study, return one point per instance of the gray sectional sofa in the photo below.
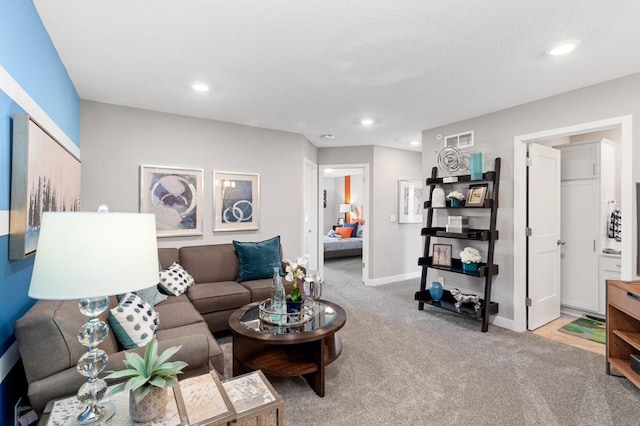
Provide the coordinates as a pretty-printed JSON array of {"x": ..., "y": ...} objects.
[{"x": 47, "y": 333}]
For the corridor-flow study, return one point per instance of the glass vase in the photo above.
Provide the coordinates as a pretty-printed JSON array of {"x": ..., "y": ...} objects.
[
  {"x": 436, "y": 291},
  {"x": 476, "y": 166}
]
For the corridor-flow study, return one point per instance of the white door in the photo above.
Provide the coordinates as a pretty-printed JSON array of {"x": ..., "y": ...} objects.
[
  {"x": 580, "y": 231},
  {"x": 543, "y": 277},
  {"x": 310, "y": 219}
]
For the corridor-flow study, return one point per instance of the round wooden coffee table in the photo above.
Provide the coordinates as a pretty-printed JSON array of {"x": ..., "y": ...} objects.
[{"x": 303, "y": 350}]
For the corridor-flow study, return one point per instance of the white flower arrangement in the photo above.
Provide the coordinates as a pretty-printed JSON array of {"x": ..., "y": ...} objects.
[
  {"x": 295, "y": 272},
  {"x": 457, "y": 195},
  {"x": 470, "y": 255}
]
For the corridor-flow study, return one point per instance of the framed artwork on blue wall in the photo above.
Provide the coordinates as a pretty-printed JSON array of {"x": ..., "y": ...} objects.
[
  {"x": 44, "y": 177},
  {"x": 236, "y": 201},
  {"x": 174, "y": 195}
]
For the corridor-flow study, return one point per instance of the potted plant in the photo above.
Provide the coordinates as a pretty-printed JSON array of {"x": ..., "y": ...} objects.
[
  {"x": 295, "y": 272},
  {"x": 470, "y": 258},
  {"x": 455, "y": 197},
  {"x": 148, "y": 380}
]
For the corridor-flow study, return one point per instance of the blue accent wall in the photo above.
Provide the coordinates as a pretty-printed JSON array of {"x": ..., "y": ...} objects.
[{"x": 28, "y": 55}]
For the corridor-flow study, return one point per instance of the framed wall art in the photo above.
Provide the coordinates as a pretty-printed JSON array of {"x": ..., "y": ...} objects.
[
  {"x": 174, "y": 195},
  {"x": 44, "y": 177},
  {"x": 409, "y": 201},
  {"x": 442, "y": 255},
  {"x": 236, "y": 201}
]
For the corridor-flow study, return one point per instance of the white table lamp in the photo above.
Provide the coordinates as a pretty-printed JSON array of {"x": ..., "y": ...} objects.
[
  {"x": 90, "y": 256},
  {"x": 345, "y": 208}
]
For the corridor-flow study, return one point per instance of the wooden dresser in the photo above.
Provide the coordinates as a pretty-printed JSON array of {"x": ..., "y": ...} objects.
[{"x": 623, "y": 327}]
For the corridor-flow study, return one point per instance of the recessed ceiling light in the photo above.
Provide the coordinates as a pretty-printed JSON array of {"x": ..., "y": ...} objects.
[
  {"x": 563, "y": 48},
  {"x": 415, "y": 143},
  {"x": 328, "y": 136},
  {"x": 328, "y": 170},
  {"x": 200, "y": 87},
  {"x": 366, "y": 121}
]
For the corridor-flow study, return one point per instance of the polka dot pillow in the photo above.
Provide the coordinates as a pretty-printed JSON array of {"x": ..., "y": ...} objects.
[
  {"x": 133, "y": 321},
  {"x": 175, "y": 280}
]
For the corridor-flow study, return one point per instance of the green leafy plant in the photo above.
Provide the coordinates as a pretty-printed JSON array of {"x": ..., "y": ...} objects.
[{"x": 145, "y": 373}]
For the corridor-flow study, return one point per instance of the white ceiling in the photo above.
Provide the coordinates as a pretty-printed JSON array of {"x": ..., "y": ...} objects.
[{"x": 315, "y": 67}]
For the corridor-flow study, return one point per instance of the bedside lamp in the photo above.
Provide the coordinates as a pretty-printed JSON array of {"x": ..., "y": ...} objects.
[
  {"x": 90, "y": 256},
  {"x": 345, "y": 208}
]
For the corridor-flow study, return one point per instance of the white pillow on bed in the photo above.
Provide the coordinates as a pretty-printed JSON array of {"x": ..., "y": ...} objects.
[{"x": 360, "y": 230}]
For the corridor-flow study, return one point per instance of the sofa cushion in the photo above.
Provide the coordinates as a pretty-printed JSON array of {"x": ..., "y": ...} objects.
[
  {"x": 193, "y": 331},
  {"x": 210, "y": 263},
  {"x": 261, "y": 289},
  {"x": 211, "y": 297},
  {"x": 177, "y": 314},
  {"x": 257, "y": 260},
  {"x": 175, "y": 279},
  {"x": 133, "y": 321},
  {"x": 166, "y": 256}
]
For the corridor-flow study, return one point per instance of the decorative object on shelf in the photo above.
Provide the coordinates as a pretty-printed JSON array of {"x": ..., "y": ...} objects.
[
  {"x": 44, "y": 177},
  {"x": 476, "y": 166},
  {"x": 148, "y": 380},
  {"x": 236, "y": 201},
  {"x": 436, "y": 290},
  {"x": 409, "y": 201},
  {"x": 77, "y": 254},
  {"x": 457, "y": 224},
  {"x": 313, "y": 285},
  {"x": 465, "y": 298},
  {"x": 174, "y": 196},
  {"x": 476, "y": 194},
  {"x": 437, "y": 197},
  {"x": 455, "y": 197},
  {"x": 470, "y": 258},
  {"x": 442, "y": 255},
  {"x": 295, "y": 272},
  {"x": 452, "y": 161}
]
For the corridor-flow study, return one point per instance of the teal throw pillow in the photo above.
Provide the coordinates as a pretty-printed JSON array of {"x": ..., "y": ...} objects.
[
  {"x": 257, "y": 260},
  {"x": 133, "y": 321}
]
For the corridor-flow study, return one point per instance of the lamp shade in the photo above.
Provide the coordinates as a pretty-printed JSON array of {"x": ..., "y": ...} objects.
[
  {"x": 345, "y": 208},
  {"x": 83, "y": 254}
]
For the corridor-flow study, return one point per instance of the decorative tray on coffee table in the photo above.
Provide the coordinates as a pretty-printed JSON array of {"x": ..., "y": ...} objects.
[{"x": 291, "y": 318}]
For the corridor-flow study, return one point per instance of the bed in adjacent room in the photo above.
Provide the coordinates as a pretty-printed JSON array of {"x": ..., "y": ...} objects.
[{"x": 337, "y": 245}]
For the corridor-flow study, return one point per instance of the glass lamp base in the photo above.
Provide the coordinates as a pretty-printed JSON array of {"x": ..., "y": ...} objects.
[{"x": 100, "y": 416}]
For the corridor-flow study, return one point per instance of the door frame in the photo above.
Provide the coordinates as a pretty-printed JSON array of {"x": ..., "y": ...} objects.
[
  {"x": 627, "y": 206},
  {"x": 367, "y": 204},
  {"x": 310, "y": 195}
]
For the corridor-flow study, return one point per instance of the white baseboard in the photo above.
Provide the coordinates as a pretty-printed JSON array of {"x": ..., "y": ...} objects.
[
  {"x": 8, "y": 360},
  {"x": 392, "y": 279},
  {"x": 504, "y": 323}
]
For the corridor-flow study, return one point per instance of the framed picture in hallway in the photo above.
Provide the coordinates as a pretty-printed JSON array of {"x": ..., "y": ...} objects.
[
  {"x": 236, "y": 201},
  {"x": 44, "y": 177},
  {"x": 409, "y": 201},
  {"x": 174, "y": 195}
]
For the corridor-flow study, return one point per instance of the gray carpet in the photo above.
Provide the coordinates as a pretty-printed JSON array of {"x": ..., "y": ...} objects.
[{"x": 401, "y": 366}]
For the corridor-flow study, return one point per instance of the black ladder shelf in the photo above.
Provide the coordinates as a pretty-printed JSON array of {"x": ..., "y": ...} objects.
[{"x": 485, "y": 270}]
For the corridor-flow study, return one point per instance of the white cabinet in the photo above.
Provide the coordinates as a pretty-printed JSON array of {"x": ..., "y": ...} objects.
[
  {"x": 580, "y": 161},
  {"x": 587, "y": 186}
]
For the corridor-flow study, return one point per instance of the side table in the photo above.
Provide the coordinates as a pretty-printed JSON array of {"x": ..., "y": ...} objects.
[
  {"x": 195, "y": 401},
  {"x": 255, "y": 401}
]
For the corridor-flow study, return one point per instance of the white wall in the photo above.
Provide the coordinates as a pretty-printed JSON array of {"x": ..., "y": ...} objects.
[
  {"x": 494, "y": 136},
  {"x": 116, "y": 140}
]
